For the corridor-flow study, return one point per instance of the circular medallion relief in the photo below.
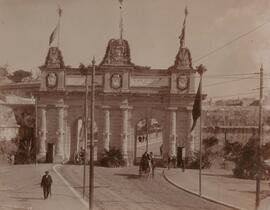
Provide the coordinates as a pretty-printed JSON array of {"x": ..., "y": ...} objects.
[
  {"x": 116, "y": 81},
  {"x": 182, "y": 82},
  {"x": 51, "y": 80}
]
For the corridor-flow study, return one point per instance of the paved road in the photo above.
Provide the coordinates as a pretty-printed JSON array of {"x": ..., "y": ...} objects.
[
  {"x": 20, "y": 190},
  {"x": 123, "y": 189}
]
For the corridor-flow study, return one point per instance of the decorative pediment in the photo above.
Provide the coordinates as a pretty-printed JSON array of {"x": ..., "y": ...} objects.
[
  {"x": 117, "y": 53},
  {"x": 54, "y": 58},
  {"x": 183, "y": 59}
]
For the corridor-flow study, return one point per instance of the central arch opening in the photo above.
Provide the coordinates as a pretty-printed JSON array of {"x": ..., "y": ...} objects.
[{"x": 149, "y": 137}]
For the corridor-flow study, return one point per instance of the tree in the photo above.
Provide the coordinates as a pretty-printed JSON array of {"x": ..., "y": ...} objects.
[
  {"x": 19, "y": 75},
  {"x": 245, "y": 160}
]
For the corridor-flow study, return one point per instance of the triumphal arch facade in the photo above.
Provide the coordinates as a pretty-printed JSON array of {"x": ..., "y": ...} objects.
[{"x": 125, "y": 94}]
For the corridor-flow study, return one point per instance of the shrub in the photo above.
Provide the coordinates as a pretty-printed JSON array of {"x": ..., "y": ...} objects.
[
  {"x": 112, "y": 158},
  {"x": 210, "y": 142},
  {"x": 232, "y": 151},
  {"x": 8, "y": 147},
  {"x": 194, "y": 163},
  {"x": 209, "y": 154},
  {"x": 245, "y": 160}
]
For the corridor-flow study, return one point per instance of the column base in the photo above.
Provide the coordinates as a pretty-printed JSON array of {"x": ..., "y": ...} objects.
[
  {"x": 41, "y": 157},
  {"x": 59, "y": 158}
]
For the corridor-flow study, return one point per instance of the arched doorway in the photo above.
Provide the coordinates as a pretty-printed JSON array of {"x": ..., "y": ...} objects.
[{"x": 148, "y": 137}]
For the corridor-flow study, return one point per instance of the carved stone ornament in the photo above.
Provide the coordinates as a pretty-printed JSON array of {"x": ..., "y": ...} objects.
[
  {"x": 182, "y": 82},
  {"x": 51, "y": 80},
  {"x": 183, "y": 59},
  {"x": 116, "y": 81},
  {"x": 117, "y": 53},
  {"x": 54, "y": 58}
]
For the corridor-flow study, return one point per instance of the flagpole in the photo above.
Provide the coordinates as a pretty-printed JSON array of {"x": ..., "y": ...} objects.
[
  {"x": 201, "y": 69},
  {"x": 200, "y": 171},
  {"x": 121, "y": 20},
  {"x": 59, "y": 17}
]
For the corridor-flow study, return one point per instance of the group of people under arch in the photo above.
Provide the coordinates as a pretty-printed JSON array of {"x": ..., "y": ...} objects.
[{"x": 147, "y": 164}]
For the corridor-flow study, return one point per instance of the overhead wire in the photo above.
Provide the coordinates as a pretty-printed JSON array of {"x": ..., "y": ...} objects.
[
  {"x": 224, "y": 82},
  {"x": 226, "y": 96},
  {"x": 231, "y": 41}
]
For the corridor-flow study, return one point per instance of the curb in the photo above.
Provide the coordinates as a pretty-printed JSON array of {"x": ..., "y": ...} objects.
[
  {"x": 70, "y": 187},
  {"x": 202, "y": 196}
]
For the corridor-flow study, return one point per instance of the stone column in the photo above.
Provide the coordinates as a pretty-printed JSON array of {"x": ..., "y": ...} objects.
[
  {"x": 42, "y": 134},
  {"x": 125, "y": 131},
  {"x": 173, "y": 135},
  {"x": 59, "y": 145},
  {"x": 107, "y": 128}
]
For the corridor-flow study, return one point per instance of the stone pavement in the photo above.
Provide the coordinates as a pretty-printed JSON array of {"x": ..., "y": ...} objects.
[
  {"x": 220, "y": 186},
  {"x": 20, "y": 189}
]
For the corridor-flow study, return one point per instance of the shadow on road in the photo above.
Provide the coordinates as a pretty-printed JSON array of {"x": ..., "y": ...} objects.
[
  {"x": 26, "y": 198},
  {"x": 218, "y": 175},
  {"x": 129, "y": 176},
  {"x": 87, "y": 187}
]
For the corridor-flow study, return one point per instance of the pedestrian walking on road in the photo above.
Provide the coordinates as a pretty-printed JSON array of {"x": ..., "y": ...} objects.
[
  {"x": 152, "y": 159},
  {"x": 46, "y": 184}
]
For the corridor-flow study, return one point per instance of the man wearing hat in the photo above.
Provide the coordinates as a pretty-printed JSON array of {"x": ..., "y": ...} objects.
[{"x": 46, "y": 183}]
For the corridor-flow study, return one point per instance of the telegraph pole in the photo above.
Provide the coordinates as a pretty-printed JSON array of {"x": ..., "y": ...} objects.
[
  {"x": 201, "y": 69},
  {"x": 147, "y": 133},
  {"x": 91, "y": 164},
  {"x": 85, "y": 126},
  {"x": 258, "y": 142},
  {"x": 36, "y": 127}
]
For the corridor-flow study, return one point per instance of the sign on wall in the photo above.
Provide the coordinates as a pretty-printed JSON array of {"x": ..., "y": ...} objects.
[
  {"x": 78, "y": 80},
  {"x": 149, "y": 81}
]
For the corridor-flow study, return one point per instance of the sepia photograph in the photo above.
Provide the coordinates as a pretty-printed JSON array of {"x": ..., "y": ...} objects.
[{"x": 135, "y": 105}]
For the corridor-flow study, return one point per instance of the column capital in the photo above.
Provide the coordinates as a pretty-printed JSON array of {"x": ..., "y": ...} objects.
[
  {"x": 189, "y": 108},
  {"x": 172, "y": 108},
  {"x": 42, "y": 106},
  {"x": 105, "y": 107},
  {"x": 125, "y": 107},
  {"x": 61, "y": 106}
]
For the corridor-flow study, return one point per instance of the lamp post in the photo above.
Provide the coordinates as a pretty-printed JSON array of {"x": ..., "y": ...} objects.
[
  {"x": 84, "y": 70},
  {"x": 36, "y": 127},
  {"x": 91, "y": 164}
]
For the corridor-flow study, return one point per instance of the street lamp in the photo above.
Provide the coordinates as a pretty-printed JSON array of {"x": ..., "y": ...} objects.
[
  {"x": 91, "y": 164},
  {"x": 84, "y": 71}
]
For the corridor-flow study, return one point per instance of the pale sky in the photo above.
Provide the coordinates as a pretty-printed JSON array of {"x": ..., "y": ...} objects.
[{"x": 151, "y": 27}]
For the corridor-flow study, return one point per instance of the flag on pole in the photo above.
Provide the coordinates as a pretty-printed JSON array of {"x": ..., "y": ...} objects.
[
  {"x": 59, "y": 10},
  {"x": 56, "y": 29},
  {"x": 182, "y": 35},
  {"x": 53, "y": 34},
  {"x": 196, "y": 111}
]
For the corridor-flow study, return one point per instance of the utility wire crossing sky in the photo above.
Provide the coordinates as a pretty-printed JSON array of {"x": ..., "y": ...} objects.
[{"x": 227, "y": 36}]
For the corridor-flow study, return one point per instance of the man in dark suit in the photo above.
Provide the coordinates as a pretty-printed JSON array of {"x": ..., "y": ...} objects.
[{"x": 46, "y": 184}]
